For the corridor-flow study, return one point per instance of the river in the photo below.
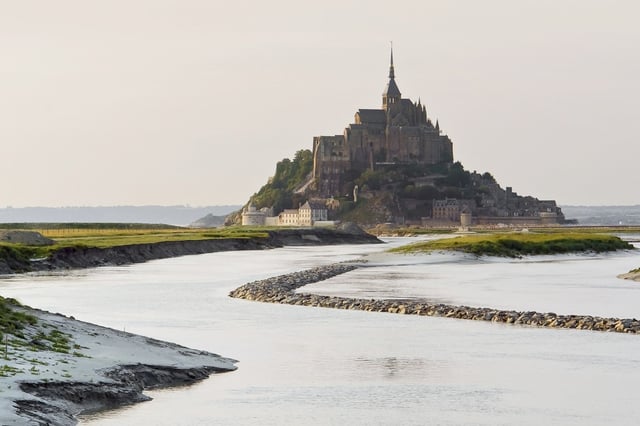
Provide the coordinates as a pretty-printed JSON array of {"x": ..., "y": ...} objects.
[{"x": 313, "y": 366}]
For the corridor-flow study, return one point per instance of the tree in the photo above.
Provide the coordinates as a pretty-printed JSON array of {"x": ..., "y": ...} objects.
[
  {"x": 488, "y": 177},
  {"x": 278, "y": 192},
  {"x": 458, "y": 176}
]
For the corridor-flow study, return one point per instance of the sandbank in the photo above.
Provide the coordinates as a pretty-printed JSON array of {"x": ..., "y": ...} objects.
[{"x": 102, "y": 368}]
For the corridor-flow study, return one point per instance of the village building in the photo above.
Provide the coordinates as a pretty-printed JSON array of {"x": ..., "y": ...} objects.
[
  {"x": 450, "y": 209},
  {"x": 312, "y": 212},
  {"x": 288, "y": 217},
  {"x": 309, "y": 214}
]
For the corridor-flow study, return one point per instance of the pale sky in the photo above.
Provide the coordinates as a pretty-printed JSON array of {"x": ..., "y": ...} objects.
[{"x": 193, "y": 102}]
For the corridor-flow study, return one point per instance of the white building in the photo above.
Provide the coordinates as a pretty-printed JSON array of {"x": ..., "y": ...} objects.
[
  {"x": 253, "y": 217},
  {"x": 311, "y": 212},
  {"x": 289, "y": 217}
]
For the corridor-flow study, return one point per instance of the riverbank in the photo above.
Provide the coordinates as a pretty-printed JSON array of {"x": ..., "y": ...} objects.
[
  {"x": 15, "y": 260},
  {"x": 282, "y": 289},
  {"x": 56, "y": 367},
  {"x": 59, "y": 367}
]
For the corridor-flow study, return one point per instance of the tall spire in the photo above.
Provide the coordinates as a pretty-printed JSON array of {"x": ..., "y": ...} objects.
[{"x": 392, "y": 73}]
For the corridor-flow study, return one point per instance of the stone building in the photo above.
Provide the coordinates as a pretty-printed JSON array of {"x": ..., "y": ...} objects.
[
  {"x": 450, "y": 209},
  {"x": 253, "y": 217},
  {"x": 398, "y": 133},
  {"x": 311, "y": 212},
  {"x": 308, "y": 214},
  {"x": 288, "y": 217}
]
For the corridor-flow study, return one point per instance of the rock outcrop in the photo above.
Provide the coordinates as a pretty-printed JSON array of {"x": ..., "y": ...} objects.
[{"x": 29, "y": 238}]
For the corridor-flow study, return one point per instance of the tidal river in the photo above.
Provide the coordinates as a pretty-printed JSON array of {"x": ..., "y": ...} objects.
[{"x": 314, "y": 366}]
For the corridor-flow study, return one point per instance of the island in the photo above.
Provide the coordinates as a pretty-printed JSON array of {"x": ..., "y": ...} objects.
[{"x": 392, "y": 164}]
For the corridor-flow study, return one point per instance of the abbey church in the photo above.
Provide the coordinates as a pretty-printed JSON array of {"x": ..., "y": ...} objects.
[{"x": 398, "y": 133}]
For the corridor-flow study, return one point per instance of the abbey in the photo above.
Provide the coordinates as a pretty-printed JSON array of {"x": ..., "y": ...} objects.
[
  {"x": 398, "y": 133},
  {"x": 391, "y": 165}
]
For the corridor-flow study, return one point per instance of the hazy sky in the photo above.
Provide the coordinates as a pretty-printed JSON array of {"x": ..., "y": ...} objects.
[{"x": 193, "y": 102}]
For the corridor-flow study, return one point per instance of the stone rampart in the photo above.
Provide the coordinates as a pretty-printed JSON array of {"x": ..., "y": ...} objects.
[{"x": 281, "y": 289}]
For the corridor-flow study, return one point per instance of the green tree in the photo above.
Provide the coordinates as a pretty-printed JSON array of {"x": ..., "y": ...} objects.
[
  {"x": 458, "y": 176},
  {"x": 278, "y": 192}
]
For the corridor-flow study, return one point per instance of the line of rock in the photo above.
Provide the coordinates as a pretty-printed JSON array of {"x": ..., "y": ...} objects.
[{"x": 281, "y": 289}]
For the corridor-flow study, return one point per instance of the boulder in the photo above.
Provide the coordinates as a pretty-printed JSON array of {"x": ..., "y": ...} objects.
[{"x": 29, "y": 238}]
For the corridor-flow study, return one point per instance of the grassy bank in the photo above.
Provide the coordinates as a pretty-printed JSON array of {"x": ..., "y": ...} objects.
[
  {"x": 516, "y": 245},
  {"x": 112, "y": 235},
  {"x": 12, "y": 321},
  {"x": 18, "y": 256},
  {"x": 13, "y": 341}
]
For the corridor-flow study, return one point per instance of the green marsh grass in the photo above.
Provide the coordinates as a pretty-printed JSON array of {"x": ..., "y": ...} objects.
[
  {"x": 102, "y": 236},
  {"x": 11, "y": 320},
  {"x": 520, "y": 244}
]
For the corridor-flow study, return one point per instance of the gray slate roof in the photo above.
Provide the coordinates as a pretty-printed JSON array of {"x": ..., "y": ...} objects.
[
  {"x": 377, "y": 116},
  {"x": 392, "y": 89},
  {"x": 313, "y": 205}
]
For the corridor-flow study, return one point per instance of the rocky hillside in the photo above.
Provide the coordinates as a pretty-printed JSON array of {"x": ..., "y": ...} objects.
[{"x": 401, "y": 193}]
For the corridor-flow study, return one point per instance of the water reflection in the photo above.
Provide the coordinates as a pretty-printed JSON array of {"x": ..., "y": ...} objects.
[{"x": 393, "y": 367}]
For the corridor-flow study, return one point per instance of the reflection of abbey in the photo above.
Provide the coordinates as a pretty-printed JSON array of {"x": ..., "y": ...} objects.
[{"x": 399, "y": 132}]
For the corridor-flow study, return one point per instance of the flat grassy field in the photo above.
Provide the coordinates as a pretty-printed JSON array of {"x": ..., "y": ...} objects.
[
  {"x": 520, "y": 244},
  {"x": 119, "y": 237},
  {"x": 112, "y": 235}
]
